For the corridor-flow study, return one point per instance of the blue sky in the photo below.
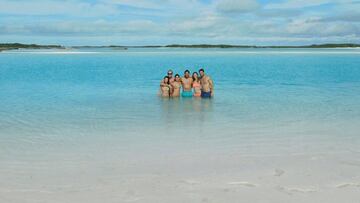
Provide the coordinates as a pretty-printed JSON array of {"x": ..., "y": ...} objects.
[{"x": 158, "y": 22}]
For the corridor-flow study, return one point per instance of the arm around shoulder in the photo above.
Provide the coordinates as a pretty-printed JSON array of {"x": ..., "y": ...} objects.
[{"x": 162, "y": 83}]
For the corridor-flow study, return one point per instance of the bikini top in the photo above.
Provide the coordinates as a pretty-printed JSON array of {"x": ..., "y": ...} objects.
[
  {"x": 196, "y": 84},
  {"x": 177, "y": 84}
]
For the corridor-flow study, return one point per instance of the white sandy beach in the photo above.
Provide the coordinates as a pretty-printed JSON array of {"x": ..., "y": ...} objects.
[
  {"x": 259, "y": 169},
  {"x": 184, "y": 177}
]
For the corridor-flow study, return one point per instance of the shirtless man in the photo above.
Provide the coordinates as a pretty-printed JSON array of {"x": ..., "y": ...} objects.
[
  {"x": 176, "y": 86},
  {"x": 207, "y": 85},
  {"x": 170, "y": 78},
  {"x": 186, "y": 82},
  {"x": 170, "y": 74}
]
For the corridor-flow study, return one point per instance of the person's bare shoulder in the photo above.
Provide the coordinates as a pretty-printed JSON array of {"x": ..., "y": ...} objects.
[{"x": 208, "y": 78}]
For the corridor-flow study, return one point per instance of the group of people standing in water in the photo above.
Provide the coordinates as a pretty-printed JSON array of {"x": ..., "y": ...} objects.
[{"x": 195, "y": 85}]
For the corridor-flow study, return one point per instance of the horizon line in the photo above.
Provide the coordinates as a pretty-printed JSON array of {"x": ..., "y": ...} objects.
[{"x": 184, "y": 45}]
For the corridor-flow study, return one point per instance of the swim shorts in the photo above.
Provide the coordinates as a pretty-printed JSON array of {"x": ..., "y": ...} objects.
[
  {"x": 187, "y": 94},
  {"x": 205, "y": 94}
]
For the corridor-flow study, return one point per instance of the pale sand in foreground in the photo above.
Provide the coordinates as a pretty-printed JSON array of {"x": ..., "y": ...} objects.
[{"x": 184, "y": 177}]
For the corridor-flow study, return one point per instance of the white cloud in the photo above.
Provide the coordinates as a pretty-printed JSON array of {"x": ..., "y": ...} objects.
[
  {"x": 237, "y": 6},
  {"x": 179, "y": 21},
  {"x": 146, "y": 4},
  {"x": 197, "y": 26},
  {"x": 46, "y": 7},
  {"x": 78, "y": 28},
  {"x": 298, "y": 4},
  {"x": 316, "y": 27},
  {"x": 158, "y": 4}
]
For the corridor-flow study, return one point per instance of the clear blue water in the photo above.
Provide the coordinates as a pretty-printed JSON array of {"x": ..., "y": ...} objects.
[{"x": 264, "y": 99}]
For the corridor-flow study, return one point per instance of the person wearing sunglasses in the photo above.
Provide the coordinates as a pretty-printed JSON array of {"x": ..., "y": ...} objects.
[
  {"x": 170, "y": 74},
  {"x": 170, "y": 79}
]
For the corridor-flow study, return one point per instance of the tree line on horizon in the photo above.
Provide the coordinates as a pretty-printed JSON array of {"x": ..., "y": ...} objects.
[{"x": 11, "y": 46}]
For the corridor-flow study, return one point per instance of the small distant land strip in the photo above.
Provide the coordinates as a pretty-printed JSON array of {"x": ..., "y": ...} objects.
[{"x": 14, "y": 46}]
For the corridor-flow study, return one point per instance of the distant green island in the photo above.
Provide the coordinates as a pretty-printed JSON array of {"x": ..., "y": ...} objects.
[
  {"x": 99, "y": 47},
  {"x": 14, "y": 46},
  {"x": 254, "y": 46}
]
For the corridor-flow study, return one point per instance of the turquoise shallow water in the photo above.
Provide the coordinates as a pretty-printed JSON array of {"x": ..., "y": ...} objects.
[{"x": 266, "y": 101}]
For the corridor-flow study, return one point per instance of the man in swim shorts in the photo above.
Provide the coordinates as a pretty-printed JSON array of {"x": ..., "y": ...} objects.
[
  {"x": 186, "y": 83},
  {"x": 207, "y": 85}
]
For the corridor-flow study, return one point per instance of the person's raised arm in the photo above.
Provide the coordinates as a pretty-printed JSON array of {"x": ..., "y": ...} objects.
[{"x": 162, "y": 83}]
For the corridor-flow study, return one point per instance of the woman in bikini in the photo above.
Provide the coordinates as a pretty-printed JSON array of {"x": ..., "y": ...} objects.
[
  {"x": 165, "y": 87},
  {"x": 196, "y": 85},
  {"x": 176, "y": 85}
]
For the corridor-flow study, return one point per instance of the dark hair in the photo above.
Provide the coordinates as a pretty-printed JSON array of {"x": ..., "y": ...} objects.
[
  {"x": 194, "y": 77},
  {"x": 201, "y": 70},
  {"x": 186, "y": 71},
  {"x": 168, "y": 82},
  {"x": 177, "y": 75}
]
